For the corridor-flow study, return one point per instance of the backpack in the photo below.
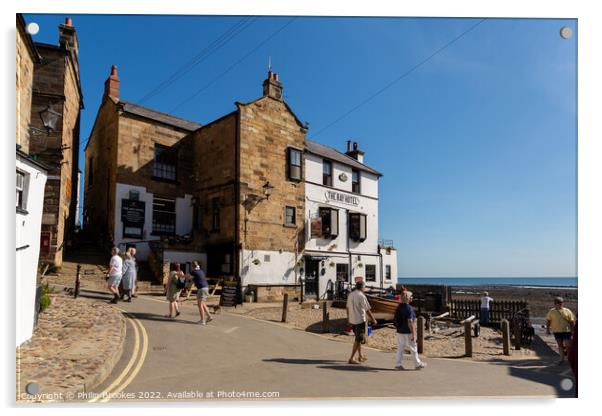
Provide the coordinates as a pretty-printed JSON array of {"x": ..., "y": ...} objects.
[{"x": 180, "y": 282}]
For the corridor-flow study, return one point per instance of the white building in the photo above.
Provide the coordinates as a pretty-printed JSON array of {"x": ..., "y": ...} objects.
[
  {"x": 341, "y": 212},
  {"x": 31, "y": 179}
]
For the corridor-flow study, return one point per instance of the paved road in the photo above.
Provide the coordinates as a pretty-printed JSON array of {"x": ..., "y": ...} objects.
[{"x": 170, "y": 360}]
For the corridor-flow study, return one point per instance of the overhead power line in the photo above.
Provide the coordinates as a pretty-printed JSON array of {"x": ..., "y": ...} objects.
[
  {"x": 205, "y": 53},
  {"x": 214, "y": 80},
  {"x": 399, "y": 78}
]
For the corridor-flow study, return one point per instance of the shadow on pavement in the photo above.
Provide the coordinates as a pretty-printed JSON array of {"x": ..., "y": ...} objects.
[
  {"x": 546, "y": 372},
  {"x": 302, "y": 361},
  {"x": 157, "y": 318},
  {"x": 328, "y": 364}
]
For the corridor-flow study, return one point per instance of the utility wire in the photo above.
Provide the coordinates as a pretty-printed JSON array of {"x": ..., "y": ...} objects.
[
  {"x": 210, "y": 49},
  {"x": 214, "y": 80},
  {"x": 399, "y": 78}
]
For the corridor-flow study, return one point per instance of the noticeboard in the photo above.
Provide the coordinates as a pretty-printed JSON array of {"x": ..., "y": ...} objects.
[{"x": 229, "y": 296}]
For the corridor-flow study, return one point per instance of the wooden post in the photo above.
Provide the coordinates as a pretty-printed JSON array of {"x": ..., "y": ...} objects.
[
  {"x": 420, "y": 334},
  {"x": 284, "y": 307},
  {"x": 506, "y": 336},
  {"x": 325, "y": 317},
  {"x": 468, "y": 339},
  {"x": 517, "y": 335}
]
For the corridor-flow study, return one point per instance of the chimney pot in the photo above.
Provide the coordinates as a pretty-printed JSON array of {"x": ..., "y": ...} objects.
[
  {"x": 354, "y": 145},
  {"x": 114, "y": 70},
  {"x": 349, "y": 145},
  {"x": 275, "y": 77},
  {"x": 68, "y": 21}
]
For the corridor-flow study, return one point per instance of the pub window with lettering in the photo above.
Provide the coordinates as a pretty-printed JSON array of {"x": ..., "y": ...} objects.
[
  {"x": 289, "y": 215},
  {"x": 330, "y": 222},
  {"x": 357, "y": 227},
  {"x": 370, "y": 273},
  {"x": 165, "y": 163},
  {"x": 294, "y": 164},
  {"x": 164, "y": 216},
  {"x": 355, "y": 181},
  {"x": 327, "y": 173}
]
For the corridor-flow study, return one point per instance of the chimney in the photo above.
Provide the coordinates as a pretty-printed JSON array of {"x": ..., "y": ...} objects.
[
  {"x": 272, "y": 87},
  {"x": 68, "y": 37},
  {"x": 354, "y": 152},
  {"x": 112, "y": 85}
]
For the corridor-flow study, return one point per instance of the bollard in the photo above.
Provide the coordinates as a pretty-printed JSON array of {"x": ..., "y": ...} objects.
[
  {"x": 77, "y": 282},
  {"x": 420, "y": 334},
  {"x": 325, "y": 318},
  {"x": 468, "y": 339},
  {"x": 301, "y": 300},
  {"x": 506, "y": 336},
  {"x": 284, "y": 307}
]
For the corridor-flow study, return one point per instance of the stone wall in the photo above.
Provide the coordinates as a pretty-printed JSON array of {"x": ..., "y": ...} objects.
[
  {"x": 25, "y": 65},
  {"x": 55, "y": 84},
  {"x": 275, "y": 293},
  {"x": 100, "y": 172},
  {"x": 136, "y": 153},
  {"x": 215, "y": 179},
  {"x": 267, "y": 129}
]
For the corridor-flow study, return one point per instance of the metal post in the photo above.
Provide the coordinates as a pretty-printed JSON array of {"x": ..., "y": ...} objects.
[
  {"x": 506, "y": 336},
  {"x": 77, "y": 281},
  {"x": 284, "y": 307},
  {"x": 325, "y": 317},
  {"x": 468, "y": 338},
  {"x": 420, "y": 334}
]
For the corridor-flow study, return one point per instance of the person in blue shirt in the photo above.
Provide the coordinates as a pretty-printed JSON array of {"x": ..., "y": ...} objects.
[
  {"x": 202, "y": 292},
  {"x": 405, "y": 322}
]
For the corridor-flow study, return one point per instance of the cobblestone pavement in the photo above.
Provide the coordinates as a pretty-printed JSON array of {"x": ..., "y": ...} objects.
[{"x": 74, "y": 347}]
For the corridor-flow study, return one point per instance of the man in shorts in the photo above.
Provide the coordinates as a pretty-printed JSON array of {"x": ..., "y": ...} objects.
[
  {"x": 357, "y": 309},
  {"x": 560, "y": 321},
  {"x": 114, "y": 274},
  {"x": 202, "y": 292}
]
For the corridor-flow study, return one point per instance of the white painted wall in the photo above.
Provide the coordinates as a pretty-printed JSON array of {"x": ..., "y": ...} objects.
[
  {"x": 183, "y": 257},
  {"x": 28, "y": 228},
  {"x": 280, "y": 269},
  {"x": 184, "y": 216},
  {"x": 390, "y": 259}
]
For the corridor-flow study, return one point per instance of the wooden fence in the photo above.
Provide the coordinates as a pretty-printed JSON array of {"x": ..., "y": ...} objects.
[{"x": 498, "y": 310}]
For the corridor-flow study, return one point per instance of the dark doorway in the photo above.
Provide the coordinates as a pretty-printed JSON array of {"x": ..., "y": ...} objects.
[
  {"x": 220, "y": 260},
  {"x": 312, "y": 272}
]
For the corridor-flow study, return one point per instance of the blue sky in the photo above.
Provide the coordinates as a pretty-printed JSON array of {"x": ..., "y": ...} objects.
[{"x": 478, "y": 145}]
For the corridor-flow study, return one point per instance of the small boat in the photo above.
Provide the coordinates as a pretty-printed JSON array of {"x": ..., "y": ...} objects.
[{"x": 382, "y": 308}]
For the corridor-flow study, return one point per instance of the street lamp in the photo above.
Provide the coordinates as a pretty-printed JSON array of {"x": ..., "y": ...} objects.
[
  {"x": 49, "y": 118},
  {"x": 252, "y": 200}
]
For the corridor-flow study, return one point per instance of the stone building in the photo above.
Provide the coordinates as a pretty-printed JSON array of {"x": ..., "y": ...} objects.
[
  {"x": 232, "y": 193},
  {"x": 30, "y": 182},
  {"x": 57, "y": 90},
  {"x": 138, "y": 175}
]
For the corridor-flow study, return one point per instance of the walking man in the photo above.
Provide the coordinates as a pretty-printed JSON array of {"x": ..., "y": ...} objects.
[
  {"x": 357, "y": 309},
  {"x": 202, "y": 292},
  {"x": 405, "y": 322},
  {"x": 561, "y": 321},
  {"x": 115, "y": 273},
  {"x": 485, "y": 301}
]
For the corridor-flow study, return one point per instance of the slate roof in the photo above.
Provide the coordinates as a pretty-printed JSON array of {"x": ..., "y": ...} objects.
[
  {"x": 333, "y": 154},
  {"x": 164, "y": 118}
]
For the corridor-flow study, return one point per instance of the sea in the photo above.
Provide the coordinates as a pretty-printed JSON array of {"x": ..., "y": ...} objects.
[{"x": 526, "y": 282}]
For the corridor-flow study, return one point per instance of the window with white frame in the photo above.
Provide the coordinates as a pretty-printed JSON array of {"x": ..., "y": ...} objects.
[
  {"x": 294, "y": 164},
  {"x": 370, "y": 273},
  {"x": 165, "y": 163},
  {"x": 357, "y": 226},
  {"x": 289, "y": 216},
  {"x": 164, "y": 216},
  {"x": 388, "y": 272},
  {"x": 21, "y": 190}
]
